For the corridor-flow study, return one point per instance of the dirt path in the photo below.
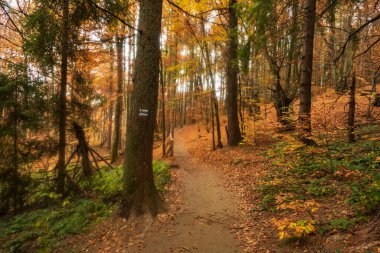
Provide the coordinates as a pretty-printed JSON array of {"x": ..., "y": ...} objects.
[{"x": 208, "y": 212}]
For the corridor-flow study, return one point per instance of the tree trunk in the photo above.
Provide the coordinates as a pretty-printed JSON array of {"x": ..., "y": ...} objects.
[
  {"x": 111, "y": 102},
  {"x": 332, "y": 70},
  {"x": 282, "y": 105},
  {"x": 84, "y": 150},
  {"x": 119, "y": 100},
  {"x": 62, "y": 99},
  {"x": 234, "y": 134},
  {"x": 217, "y": 120},
  {"x": 307, "y": 68},
  {"x": 206, "y": 55},
  {"x": 292, "y": 47},
  {"x": 15, "y": 175},
  {"x": 375, "y": 97},
  {"x": 282, "y": 100},
  {"x": 212, "y": 121},
  {"x": 139, "y": 193},
  {"x": 131, "y": 58},
  {"x": 163, "y": 123},
  {"x": 351, "y": 111}
]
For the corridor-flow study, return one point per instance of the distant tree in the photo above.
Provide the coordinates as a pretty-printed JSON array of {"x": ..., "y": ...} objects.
[
  {"x": 119, "y": 100},
  {"x": 23, "y": 103},
  {"x": 111, "y": 102},
  {"x": 276, "y": 36},
  {"x": 351, "y": 110},
  {"x": 51, "y": 40},
  {"x": 62, "y": 106},
  {"x": 304, "y": 117},
  {"x": 120, "y": 8}
]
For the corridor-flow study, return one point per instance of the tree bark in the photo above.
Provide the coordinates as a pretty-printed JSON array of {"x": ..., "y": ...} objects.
[
  {"x": 234, "y": 134},
  {"x": 304, "y": 117},
  {"x": 139, "y": 193},
  {"x": 62, "y": 100}
]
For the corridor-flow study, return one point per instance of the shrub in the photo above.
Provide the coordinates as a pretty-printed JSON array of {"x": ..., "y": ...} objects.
[
  {"x": 366, "y": 196},
  {"x": 108, "y": 185},
  {"x": 161, "y": 175}
]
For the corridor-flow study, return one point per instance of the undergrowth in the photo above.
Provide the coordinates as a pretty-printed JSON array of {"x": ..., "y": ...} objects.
[
  {"x": 305, "y": 178},
  {"x": 41, "y": 230}
]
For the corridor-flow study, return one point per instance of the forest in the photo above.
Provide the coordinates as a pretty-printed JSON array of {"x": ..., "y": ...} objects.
[{"x": 190, "y": 126}]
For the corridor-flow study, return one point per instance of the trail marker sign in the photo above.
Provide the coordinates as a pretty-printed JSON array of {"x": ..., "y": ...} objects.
[{"x": 143, "y": 113}]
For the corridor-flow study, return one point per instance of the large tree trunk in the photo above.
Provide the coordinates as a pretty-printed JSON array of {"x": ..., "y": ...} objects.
[
  {"x": 119, "y": 100},
  {"x": 307, "y": 68},
  {"x": 234, "y": 134},
  {"x": 62, "y": 99},
  {"x": 139, "y": 193}
]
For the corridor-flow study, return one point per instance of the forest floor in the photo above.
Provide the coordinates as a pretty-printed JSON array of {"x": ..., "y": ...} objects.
[
  {"x": 269, "y": 194},
  {"x": 270, "y": 200},
  {"x": 294, "y": 198}
]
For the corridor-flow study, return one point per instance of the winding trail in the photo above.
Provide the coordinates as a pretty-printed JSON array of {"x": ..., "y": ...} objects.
[{"x": 208, "y": 212}]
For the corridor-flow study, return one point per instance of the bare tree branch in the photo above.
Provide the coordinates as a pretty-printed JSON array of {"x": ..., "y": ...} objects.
[
  {"x": 11, "y": 20},
  {"x": 193, "y": 15},
  {"x": 375, "y": 18},
  {"x": 368, "y": 48},
  {"x": 114, "y": 16}
]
